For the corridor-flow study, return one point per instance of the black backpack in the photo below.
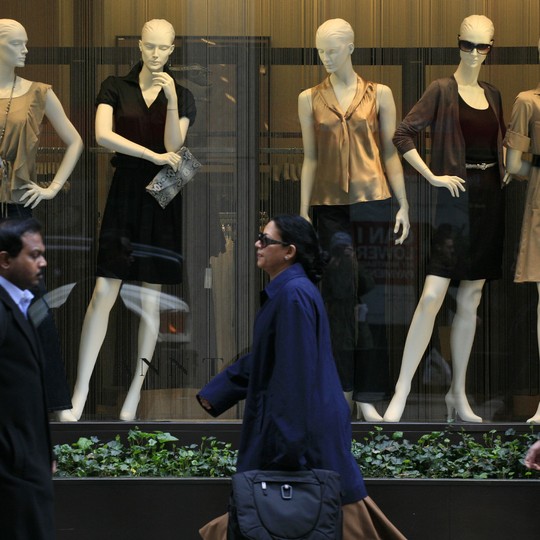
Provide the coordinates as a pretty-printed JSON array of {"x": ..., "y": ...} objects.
[{"x": 285, "y": 505}]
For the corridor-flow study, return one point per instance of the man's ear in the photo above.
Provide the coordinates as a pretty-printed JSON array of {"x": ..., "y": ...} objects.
[
  {"x": 291, "y": 251},
  {"x": 140, "y": 45},
  {"x": 4, "y": 260}
]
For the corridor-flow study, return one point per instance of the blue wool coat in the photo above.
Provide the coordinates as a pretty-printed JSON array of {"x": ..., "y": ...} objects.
[{"x": 295, "y": 412}]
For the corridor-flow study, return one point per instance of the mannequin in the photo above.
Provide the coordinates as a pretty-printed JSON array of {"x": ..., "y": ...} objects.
[
  {"x": 142, "y": 148},
  {"x": 23, "y": 105},
  {"x": 469, "y": 201},
  {"x": 523, "y": 135},
  {"x": 360, "y": 187}
]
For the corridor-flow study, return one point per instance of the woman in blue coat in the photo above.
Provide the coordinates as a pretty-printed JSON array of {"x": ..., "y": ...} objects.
[{"x": 295, "y": 413}]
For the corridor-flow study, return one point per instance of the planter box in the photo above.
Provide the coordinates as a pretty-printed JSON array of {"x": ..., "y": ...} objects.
[{"x": 176, "y": 508}]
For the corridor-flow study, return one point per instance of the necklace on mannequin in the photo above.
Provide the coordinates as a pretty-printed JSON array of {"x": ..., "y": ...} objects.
[{"x": 3, "y": 162}]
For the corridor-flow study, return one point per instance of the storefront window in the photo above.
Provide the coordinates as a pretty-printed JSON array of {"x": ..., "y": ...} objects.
[{"x": 245, "y": 63}]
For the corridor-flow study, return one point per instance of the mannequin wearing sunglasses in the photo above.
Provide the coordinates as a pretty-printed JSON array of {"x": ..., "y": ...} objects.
[
  {"x": 467, "y": 128},
  {"x": 347, "y": 187},
  {"x": 523, "y": 135}
]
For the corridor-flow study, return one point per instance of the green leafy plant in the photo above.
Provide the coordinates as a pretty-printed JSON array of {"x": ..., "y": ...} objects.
[
  {"x": 439, "y": 454},
  {"x": 444, "y": 454},
  {"x": 145, "y": 455}
]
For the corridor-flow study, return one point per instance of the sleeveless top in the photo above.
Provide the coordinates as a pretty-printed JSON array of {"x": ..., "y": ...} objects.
[
  {"x": 480, "y": 129},
  {"x": 21, "y": 139},
  {"x": 349, "y": 168}
]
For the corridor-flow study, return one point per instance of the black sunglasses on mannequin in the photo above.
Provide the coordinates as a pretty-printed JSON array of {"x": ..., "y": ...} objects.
[{"x": 469, "y": 46}]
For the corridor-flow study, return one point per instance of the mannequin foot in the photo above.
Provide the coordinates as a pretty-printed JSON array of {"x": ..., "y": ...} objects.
[
  {"x": 536, "y": 418},
  {"x": 368, "y": 412},
  {"x": 66, "y": 416},
  {"x": 396, "y": 407},
  {"x": 457, "y": 405},
  {"x": 129, "y": 408}
]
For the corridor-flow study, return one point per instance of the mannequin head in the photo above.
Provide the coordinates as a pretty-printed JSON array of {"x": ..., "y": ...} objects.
[
  {"x": 13, "y": 40},
  {"x": 335, "y": 43},
  {"x": 477, "y": 30},
  {"x": 156, "y": 44}
]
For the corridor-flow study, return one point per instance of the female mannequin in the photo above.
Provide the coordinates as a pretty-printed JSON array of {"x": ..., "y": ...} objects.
[
  {"x": 23, "y": 105},
  {"x": 471, "y": 203},
  {"x": 342, "y": 190},
  {"x": 18, "y": 153},
  {"x": 523, "y": 135},
  {"x": 144, "y": 118}
]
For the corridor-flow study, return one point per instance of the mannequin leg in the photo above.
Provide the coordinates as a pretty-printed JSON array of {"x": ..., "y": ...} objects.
[
  {"x": 536, "y": 418},
  {"x": 369, "y": 412},
  {"x": 461, "y": 341},
  {"x": 148, "y": 334},
  {"x": 348, "y": 399},
  {"x": 418, "y": 337},
  {"x": 93, "y": 333}
]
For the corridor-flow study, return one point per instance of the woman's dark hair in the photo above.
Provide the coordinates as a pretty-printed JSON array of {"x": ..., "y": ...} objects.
[
  {"x": 298, "y": 231},
  {"x": 11, "y": 232}
]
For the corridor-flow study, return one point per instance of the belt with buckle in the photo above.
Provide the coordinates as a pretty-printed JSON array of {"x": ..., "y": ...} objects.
[
  {"x": 481, "y": 166},
  {"x": 535, "y": 160}
]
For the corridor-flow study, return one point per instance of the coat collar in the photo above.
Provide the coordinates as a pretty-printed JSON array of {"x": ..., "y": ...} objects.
[
  {"x": 272, "y": 289},
  {"x": 26, "y": 326}
]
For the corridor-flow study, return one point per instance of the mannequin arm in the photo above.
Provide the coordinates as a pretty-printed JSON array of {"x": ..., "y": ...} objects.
[
  {"x": 309, "y": 166},
  {"x": 454, "y": 184},
  {"x": 515, "y": 164},
  {"x": 175, "y": 131},
  {"x": 106, "y": 137},
  {"x": 71, "y": 138},
  {"x": 390, "y": 158}
]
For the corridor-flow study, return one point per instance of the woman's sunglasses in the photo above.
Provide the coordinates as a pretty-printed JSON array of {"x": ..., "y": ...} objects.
[
  {"x": 265, "y": 240},
  {"x": 469, "y": 46}
]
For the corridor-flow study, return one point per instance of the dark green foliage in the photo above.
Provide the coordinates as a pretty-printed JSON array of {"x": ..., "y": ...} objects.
[
  {"x": 145, "y": 455},
  {"x": 444, "y": 454},
  {"x": 440, "y": 454}
]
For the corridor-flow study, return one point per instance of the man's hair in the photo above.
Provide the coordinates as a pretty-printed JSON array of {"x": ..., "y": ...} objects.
[{"x": 12, "y": 231}]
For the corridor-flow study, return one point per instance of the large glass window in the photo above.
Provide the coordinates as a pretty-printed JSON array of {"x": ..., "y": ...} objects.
[{"x": 246, "y": 62}]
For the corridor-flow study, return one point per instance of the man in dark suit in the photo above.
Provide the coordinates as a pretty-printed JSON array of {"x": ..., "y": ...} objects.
[{"x": 26, "y": 492}]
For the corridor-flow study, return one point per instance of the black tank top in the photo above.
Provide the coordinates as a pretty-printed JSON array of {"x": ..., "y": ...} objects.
[{"x": 480, "y": 130}]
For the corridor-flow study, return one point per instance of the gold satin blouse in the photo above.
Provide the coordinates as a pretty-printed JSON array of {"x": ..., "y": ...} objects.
[
  {"x": 349, "y": 168},
  {"x": 21, "y": 140}
]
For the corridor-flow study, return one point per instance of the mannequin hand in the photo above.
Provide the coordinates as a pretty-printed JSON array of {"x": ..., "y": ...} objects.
[
  {"x": 454, "y": 184},
  {"x": 169, "y": 158},
  {"x": 507, "y": 178},
  {"x": 402, "y": 222},
  {"x": 35, "y": 194},
  {"x": 165, "y": 81},
  {"x": 532, "y": 459}
]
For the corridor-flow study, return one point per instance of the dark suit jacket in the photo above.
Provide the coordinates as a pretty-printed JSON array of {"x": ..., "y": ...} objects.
[{"x": 26, "y": 510}]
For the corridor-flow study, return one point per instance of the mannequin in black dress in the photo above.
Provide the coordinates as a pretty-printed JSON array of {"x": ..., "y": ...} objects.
[{"x": 131, "y": 213}]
